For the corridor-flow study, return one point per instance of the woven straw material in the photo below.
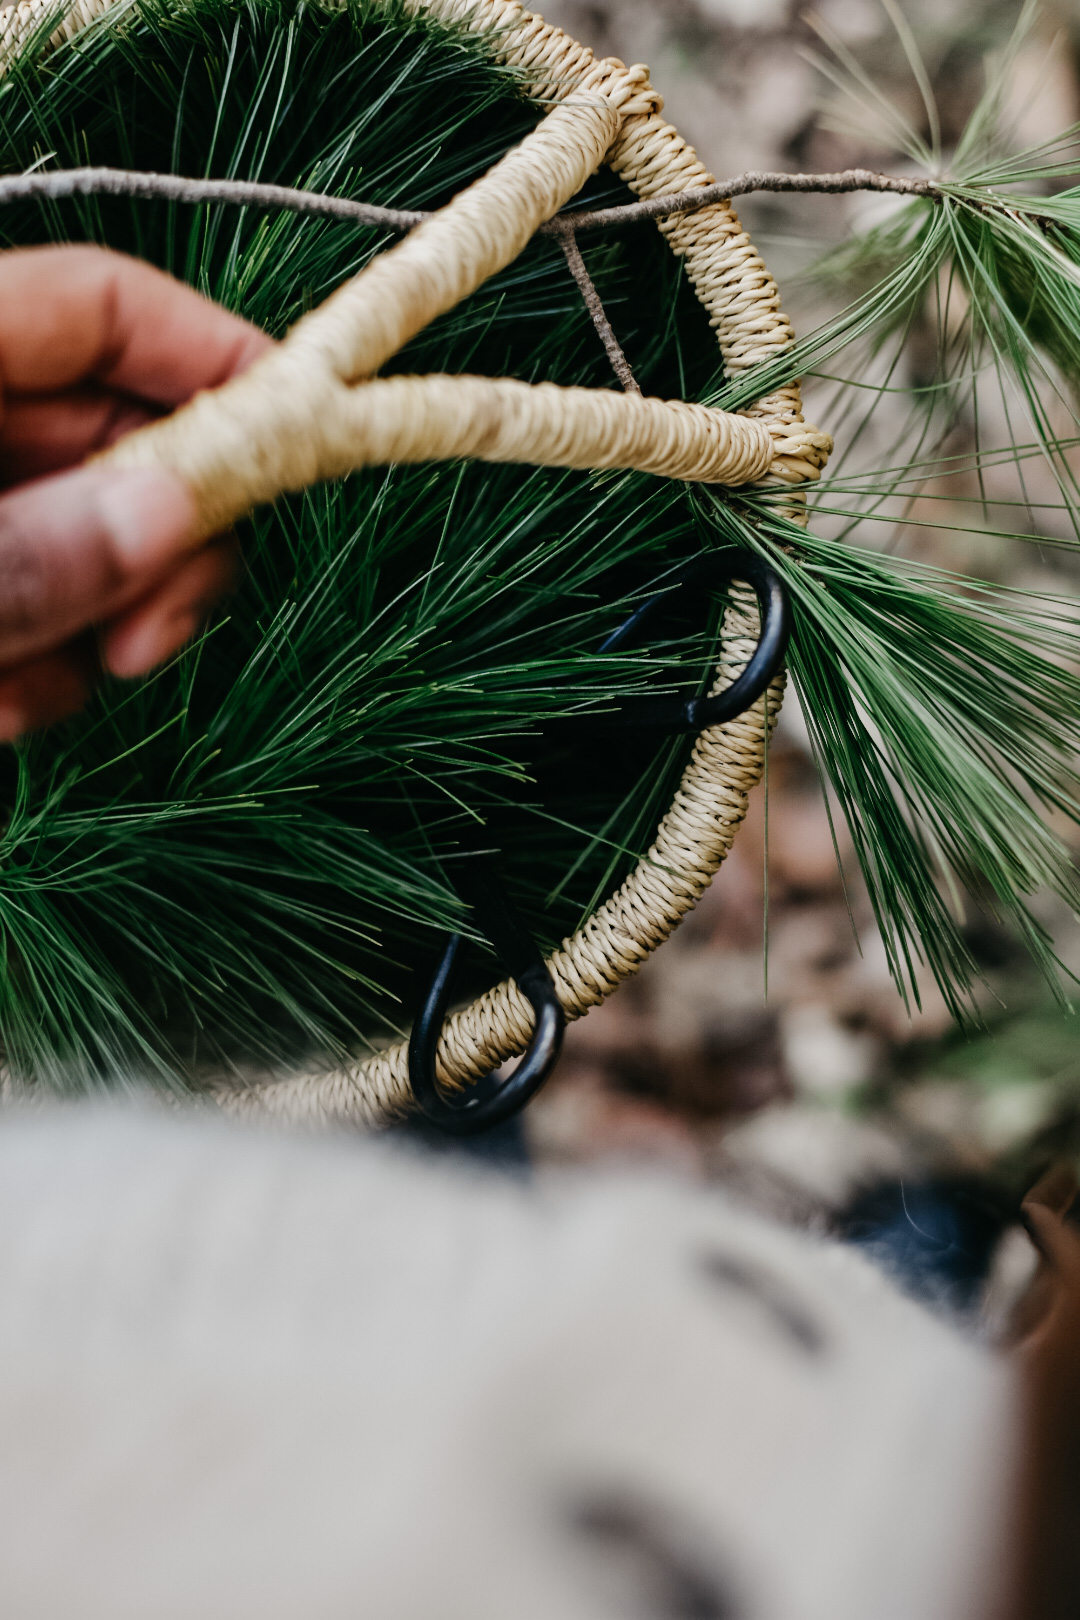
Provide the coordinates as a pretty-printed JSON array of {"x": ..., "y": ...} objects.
[
  {"x": 313, "y": 408},
  {"x": 258, "y": 433},
  {"x": 294, "y": 418}
]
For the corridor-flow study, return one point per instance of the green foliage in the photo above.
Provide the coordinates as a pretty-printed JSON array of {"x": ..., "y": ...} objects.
[
  {"x": 943, "y": 709},
  {"x": 246, "y": 855},
  {"x": 939, "y": 710},
  {"x": 242, "y": 856}
]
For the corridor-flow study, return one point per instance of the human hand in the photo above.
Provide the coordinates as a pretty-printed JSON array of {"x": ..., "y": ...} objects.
[{"x": 93, "y": 344}]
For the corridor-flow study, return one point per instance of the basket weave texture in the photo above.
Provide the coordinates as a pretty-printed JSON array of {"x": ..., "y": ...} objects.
[{"x": 314, "y": 408}]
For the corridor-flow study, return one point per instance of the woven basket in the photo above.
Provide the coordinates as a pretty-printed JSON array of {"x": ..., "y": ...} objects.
[{"x": 315, "y": 408}]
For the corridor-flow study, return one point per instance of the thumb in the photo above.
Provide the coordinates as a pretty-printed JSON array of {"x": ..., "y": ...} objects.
[{"x": 77, "y": 548}]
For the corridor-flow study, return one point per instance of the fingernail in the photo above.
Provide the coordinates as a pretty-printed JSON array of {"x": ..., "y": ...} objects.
[{"x": 148, "y": 512}]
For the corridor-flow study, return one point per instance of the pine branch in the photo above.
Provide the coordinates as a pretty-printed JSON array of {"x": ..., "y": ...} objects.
[
  {"x": 91, "y": 182},
  {"x": 103, "y": 182},
  {"x": 740, "y": 185},
  {"x": 242, "y": 855}
]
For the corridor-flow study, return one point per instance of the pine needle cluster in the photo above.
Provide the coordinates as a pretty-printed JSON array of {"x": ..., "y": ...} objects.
[
  {"x": 245, "y": 857},
  {"x": 945, "y": 710},
  {"x": 248, "y": 855}
]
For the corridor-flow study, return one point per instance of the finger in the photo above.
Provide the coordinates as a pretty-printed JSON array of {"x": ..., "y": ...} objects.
[
  {"x": 43, "y": 435},
  {"x": 44, "y": 690},
  {"x": 162, "y": 622},
  {"x": 1057, "y": 1240},
  {"x": 72, "y": 313},
  {"x": 1057, "y": 1190},
  {"x": 81, "y": 547}
]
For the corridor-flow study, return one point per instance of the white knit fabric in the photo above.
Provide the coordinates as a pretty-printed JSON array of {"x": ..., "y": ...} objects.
[{"x": 250, "y": 1377}]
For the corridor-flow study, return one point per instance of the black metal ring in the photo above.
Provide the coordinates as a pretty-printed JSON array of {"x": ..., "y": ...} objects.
[
  {"x": 487, "y": 1101},
  {"x": 674, "y": 714}
]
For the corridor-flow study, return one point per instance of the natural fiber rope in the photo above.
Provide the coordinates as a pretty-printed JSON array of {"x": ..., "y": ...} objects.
[
  {"x": 309, "y": 410},
  {"x": 439, "y": 418},
  {"x": 293, "y": 418}
]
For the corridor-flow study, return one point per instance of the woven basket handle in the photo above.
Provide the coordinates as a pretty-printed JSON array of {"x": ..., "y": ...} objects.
[
  {"x": 312, "y": 409},
  {"x": 309, "y": 409}
]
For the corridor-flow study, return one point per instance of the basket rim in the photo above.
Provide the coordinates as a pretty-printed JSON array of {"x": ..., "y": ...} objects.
[{"x": 599, "y": 110}]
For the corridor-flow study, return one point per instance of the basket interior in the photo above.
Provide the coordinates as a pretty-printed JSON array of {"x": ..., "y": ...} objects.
[{"x": 245, "y": 857}]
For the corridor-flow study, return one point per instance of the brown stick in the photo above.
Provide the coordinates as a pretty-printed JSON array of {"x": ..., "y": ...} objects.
[
  {"x": 60, "y": 183},
  {"x": 684, "y": 202},
  {"x": 175, "y": 188},
  {"x": 620, "y": 365}
]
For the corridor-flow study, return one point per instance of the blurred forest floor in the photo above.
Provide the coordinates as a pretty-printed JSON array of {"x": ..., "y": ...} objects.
[{"x": 824, "y": 1084}]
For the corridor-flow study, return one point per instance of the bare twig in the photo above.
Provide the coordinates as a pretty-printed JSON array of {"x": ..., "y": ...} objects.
[
  {"x": 173, "y": 187},
  {"x": 60, "y": 183},
  {"x": 620, "y": 365},
  {"x": 683, "y": 202}
]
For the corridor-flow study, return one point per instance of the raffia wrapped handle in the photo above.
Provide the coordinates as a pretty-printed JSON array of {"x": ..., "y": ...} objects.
[
  {"x": 314, "y": 408},
  {"x": 308, "y": 410}
]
